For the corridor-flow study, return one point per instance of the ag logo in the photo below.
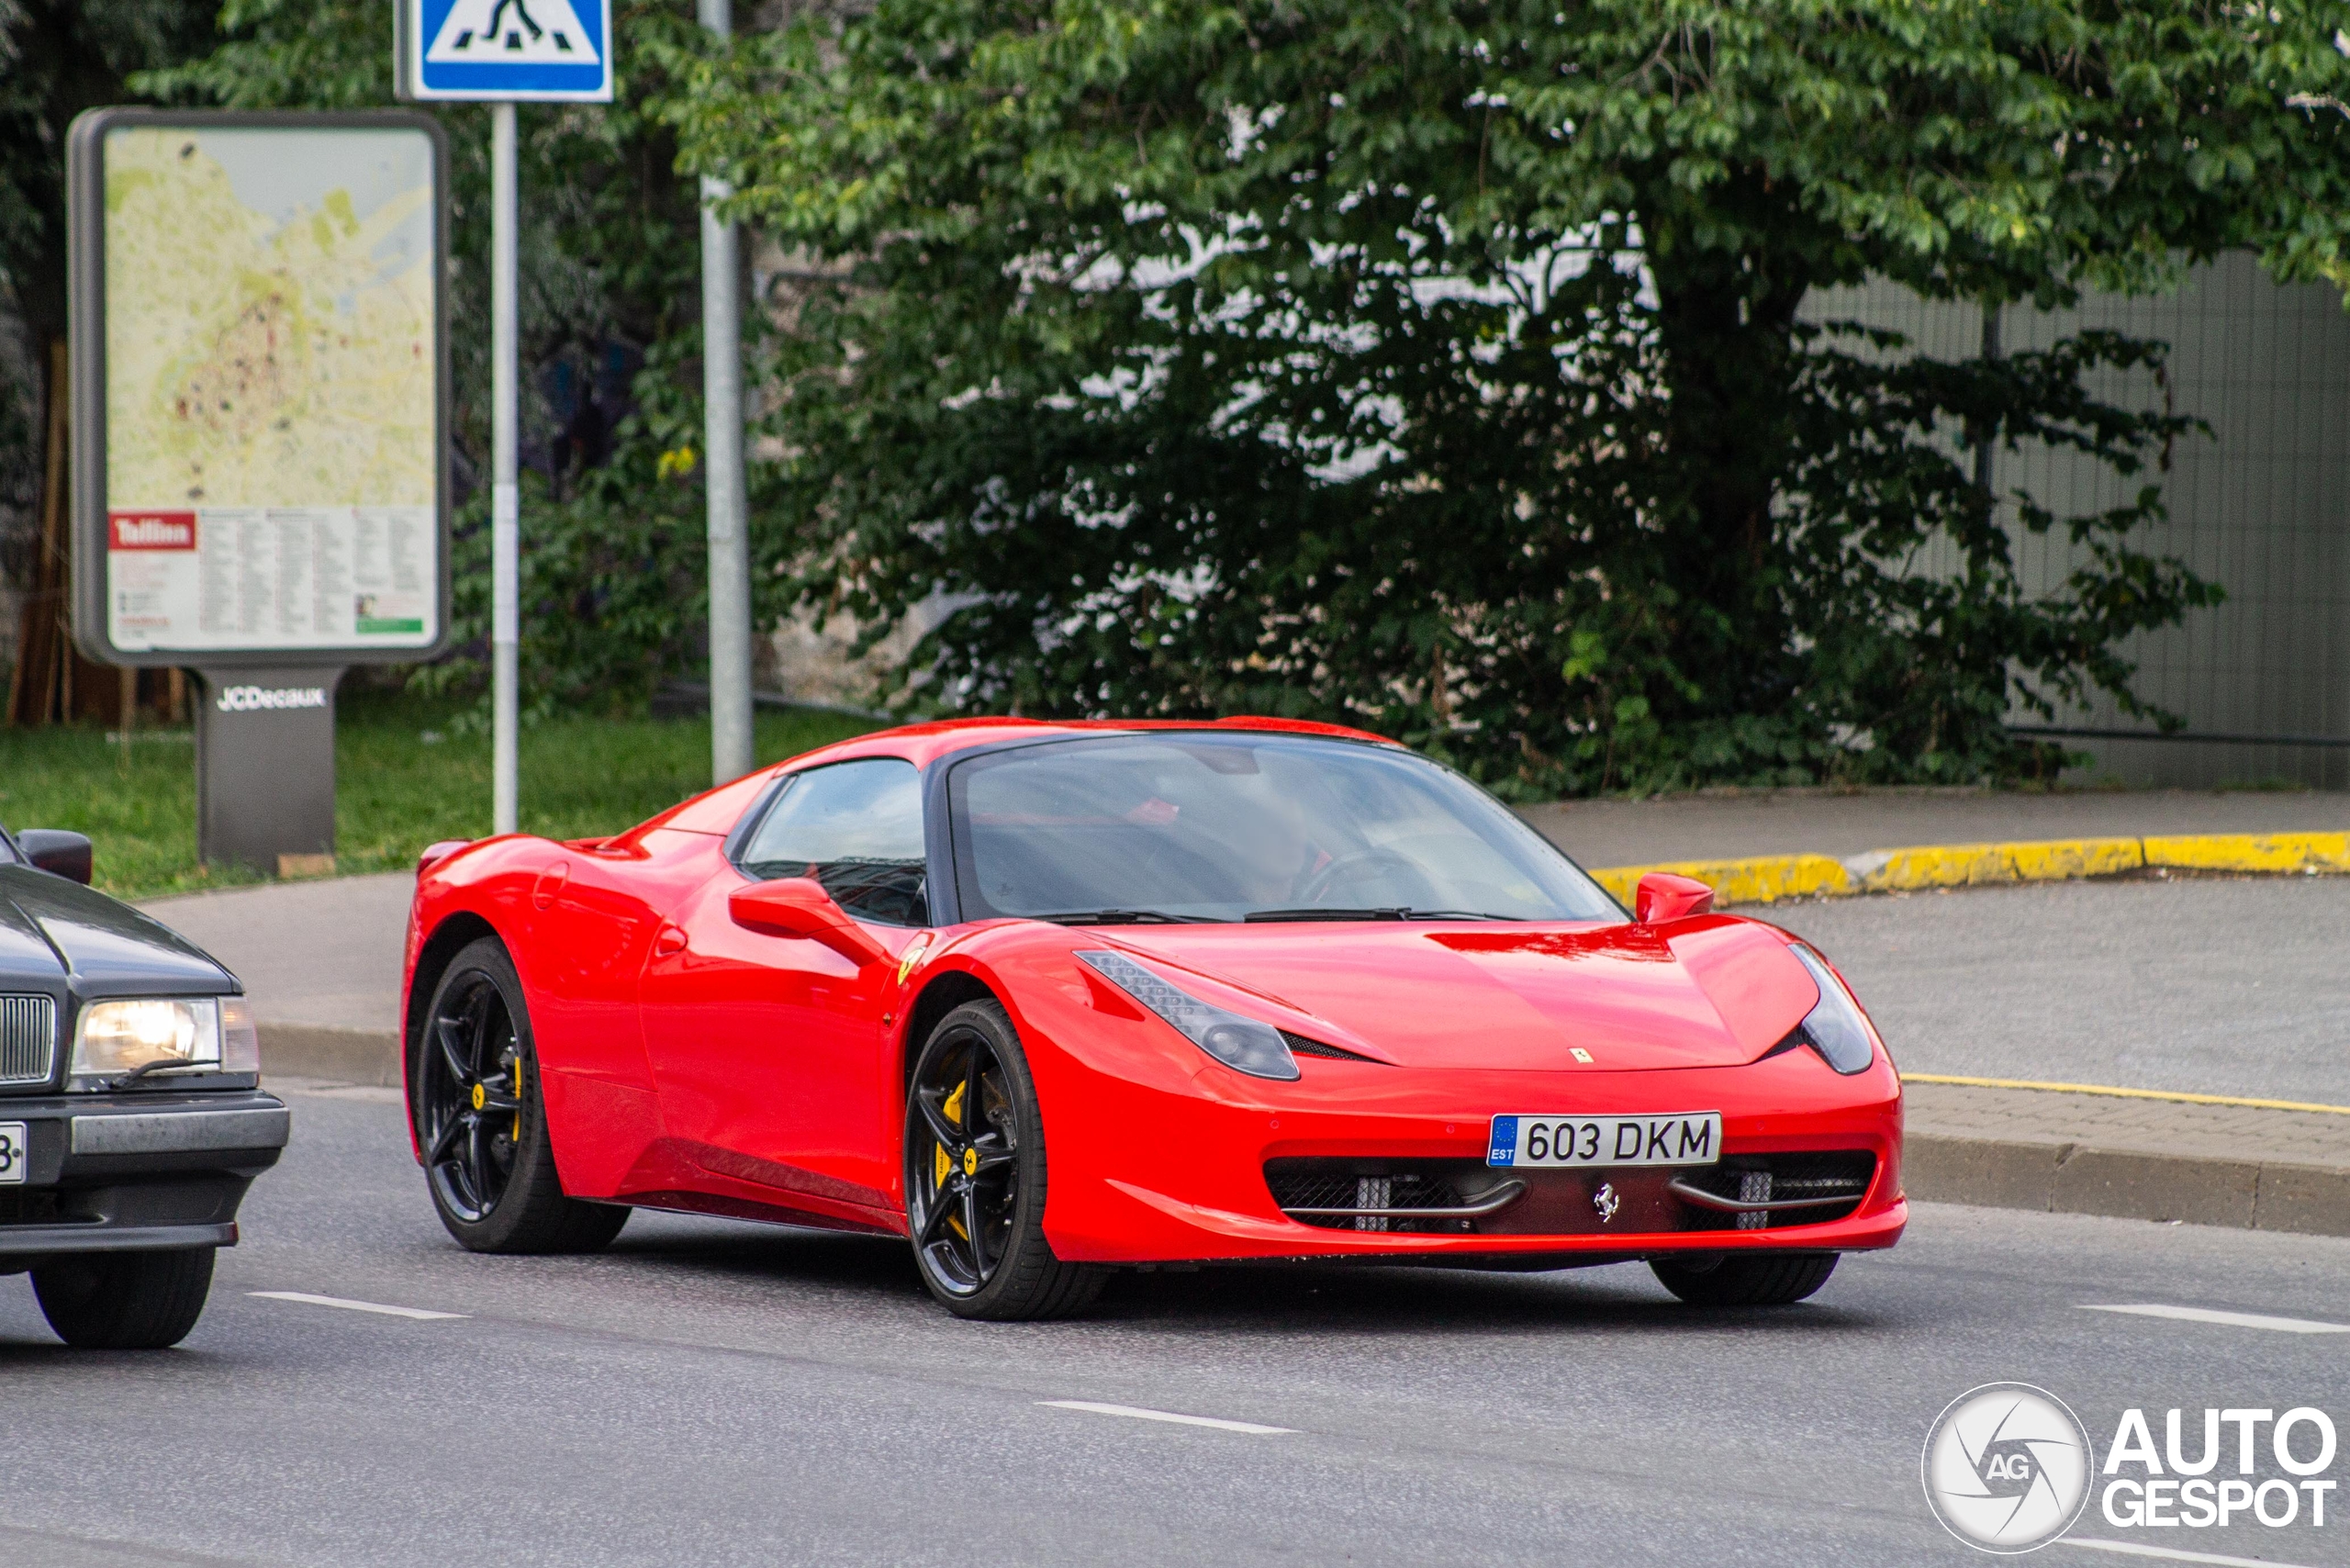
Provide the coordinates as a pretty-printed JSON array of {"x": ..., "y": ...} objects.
[{"x": 2007, "y": 1467}]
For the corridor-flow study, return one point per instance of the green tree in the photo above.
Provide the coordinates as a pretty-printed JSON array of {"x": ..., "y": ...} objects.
[
  {"x": 1438, "y": 364},
  {"x": 56, "y": 58}
]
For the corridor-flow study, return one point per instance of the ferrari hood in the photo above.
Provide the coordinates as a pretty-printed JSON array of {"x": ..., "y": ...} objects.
[{"x": 1714, "y": 990}]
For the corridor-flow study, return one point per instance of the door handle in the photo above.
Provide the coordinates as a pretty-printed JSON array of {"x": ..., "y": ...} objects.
[{"x": 669, "y": 939}]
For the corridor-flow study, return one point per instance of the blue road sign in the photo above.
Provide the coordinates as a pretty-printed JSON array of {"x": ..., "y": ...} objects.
[{"x": 518, "y": 49}]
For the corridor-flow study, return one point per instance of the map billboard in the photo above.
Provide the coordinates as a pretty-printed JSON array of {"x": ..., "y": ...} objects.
[{"x": 260, "y": 385}]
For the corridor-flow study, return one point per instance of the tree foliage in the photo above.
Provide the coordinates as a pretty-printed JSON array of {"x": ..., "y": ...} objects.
[
  {"x": 1440, "y": 363},
  {"x": 56, "y": 58}
]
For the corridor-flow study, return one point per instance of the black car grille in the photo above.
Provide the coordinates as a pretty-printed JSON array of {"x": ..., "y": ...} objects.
[
  {"x": 1299, "y": 1045},
  {"x": 1799, "y": 1181},
  {"x": 1368, "y": 1184},
  {"x": 28, "y": 1039}
]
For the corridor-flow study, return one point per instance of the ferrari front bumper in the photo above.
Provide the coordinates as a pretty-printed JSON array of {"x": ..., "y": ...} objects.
[{"x": 1154, "y": 1174}]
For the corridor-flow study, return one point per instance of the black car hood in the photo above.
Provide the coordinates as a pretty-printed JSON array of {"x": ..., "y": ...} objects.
[{"x": 51, "y": 928}]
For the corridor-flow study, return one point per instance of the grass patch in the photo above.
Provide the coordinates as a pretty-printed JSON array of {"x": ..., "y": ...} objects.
[{"x": 395, "y": 791}]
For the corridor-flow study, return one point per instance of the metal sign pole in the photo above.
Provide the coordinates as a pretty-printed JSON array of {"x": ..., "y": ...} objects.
[
  {"x": 501, "y": 52},
  {"x": 729, "y": 551},
  {"x": 505, "y": 496}
]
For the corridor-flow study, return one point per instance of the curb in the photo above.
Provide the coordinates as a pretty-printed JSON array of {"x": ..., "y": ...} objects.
[
  {"x": 2272, "y": 1195},
  {"x": 340, "y": 1056},
  {"x": 1769, "y": 877},
  {"x": 2046, "y": 1178}
]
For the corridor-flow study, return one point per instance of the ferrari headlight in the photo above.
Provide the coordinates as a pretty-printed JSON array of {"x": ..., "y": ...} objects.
[
  {"x": 151, "y": 1034},
  {"x": 1835, "y": 1028},
  {"x": 1244, "y": 1045}
]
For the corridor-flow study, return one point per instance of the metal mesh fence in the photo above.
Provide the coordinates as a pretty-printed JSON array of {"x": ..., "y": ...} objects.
[{"x": 2261, "y": 506}]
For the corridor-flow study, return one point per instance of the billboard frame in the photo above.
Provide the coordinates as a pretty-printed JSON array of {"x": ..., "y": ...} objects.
[{"x": 85, "y": 249}]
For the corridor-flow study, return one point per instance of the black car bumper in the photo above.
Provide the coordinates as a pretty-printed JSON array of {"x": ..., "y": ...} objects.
[{"x": 132, "y": 1173}]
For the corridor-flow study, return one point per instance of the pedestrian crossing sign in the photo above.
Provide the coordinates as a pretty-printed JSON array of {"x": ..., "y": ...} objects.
[{"x": 526, "y": 50}]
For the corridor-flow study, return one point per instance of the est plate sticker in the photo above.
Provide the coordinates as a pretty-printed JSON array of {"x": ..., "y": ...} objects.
[
  {"x": 1680, "y": 1138},
  {"x": 14, "y": 1153}
]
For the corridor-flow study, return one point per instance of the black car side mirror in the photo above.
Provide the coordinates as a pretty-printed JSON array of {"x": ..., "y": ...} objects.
[{"x": 55, "y": 850}]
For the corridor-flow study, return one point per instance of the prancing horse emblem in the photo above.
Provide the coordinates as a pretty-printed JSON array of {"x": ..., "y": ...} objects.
[{"x": 1606, "y": 1201}]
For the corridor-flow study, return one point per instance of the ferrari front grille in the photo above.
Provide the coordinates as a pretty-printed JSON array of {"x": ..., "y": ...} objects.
[
  {"x": 1761, "y": 1191},
  {"x": 28, "y": 1039},
  {"x": 1409, "y": 1196}
]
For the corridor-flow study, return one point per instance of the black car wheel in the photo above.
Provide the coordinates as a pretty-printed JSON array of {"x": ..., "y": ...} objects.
[
  {"x": 1759, "y": 1278},
  {"x": 125, "y": 1301},
  {"x": 975, "y": 1177},
  {"x": 474, "y": 1080}
]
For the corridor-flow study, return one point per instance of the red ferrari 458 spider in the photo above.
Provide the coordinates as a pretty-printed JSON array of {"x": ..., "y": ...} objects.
[{"x": 1051, "y": 999}]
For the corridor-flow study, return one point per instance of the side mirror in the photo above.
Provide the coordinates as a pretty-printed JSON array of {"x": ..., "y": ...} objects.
[
  {"x": 53, "y": 849},
  {"x": 800, "y": 907},
  {"x": 1663, "y": 896},
  {"x": 436, "y": 852}
]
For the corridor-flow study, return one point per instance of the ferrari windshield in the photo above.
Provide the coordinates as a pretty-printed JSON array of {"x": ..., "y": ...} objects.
[{"x": 1201, "y": 826}]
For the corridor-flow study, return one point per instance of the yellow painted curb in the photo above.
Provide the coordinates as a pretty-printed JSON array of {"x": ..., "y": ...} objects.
[
  {"x": 1974, "y": 865},
  {"x": 1764, "y": 879},
  {"x": 2253, "y": 851},
  {"x": 1769, "y": 877}
]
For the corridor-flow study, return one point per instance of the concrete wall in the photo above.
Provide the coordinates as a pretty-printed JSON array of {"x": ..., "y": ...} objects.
[{"x": 2261, "y": 506}]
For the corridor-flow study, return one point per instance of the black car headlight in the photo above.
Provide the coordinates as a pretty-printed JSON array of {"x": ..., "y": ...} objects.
[
  {"x": 1835, "y": 1028},
  {"x": 153, "y": 1034},
  {"x": 1244, "y": 1045}
]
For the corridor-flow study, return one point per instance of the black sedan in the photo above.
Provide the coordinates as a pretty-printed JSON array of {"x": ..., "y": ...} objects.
[{"x": 131, "y": 1114}]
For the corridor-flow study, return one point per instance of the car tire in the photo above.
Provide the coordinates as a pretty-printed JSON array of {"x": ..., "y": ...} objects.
[
  {"x": 125, "y": 1301},
  {"x": 1761, "y": 1279},
  {"x": 1010, "y": 1275},
  {"x": 492, "y": 1176}
]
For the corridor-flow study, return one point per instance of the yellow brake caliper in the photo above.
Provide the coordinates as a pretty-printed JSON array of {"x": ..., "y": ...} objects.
[
  {"x": 518, "y": 1101},
  {"x": 953, "y": 1110}
]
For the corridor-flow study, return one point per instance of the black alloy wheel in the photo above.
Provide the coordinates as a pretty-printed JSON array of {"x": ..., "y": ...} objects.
[
  {"x": 473, "y": 1081},
  {"x": 975, "y": 1177},
  {"x": 472, "y": 1097}
]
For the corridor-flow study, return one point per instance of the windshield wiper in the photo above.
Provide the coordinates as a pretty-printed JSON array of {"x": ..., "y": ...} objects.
[
  {"x": 1398, "y": 911},
  {"x": 1125, "y": 917}
]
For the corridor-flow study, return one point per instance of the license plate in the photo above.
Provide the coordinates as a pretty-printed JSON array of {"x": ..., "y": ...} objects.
[
  {"x": 16, "y": 1154},
  {"x": 1682, "y": 1137}
]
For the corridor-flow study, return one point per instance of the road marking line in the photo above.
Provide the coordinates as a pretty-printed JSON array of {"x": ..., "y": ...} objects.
[
  {"x": 2169, "y": 1554},
  {"x": 2179, "y": 1096},
  {"x": 2234, "y": 1319},
  {"x": 1140, "y": 1415},
  {"x": 307, "y": 1299}
]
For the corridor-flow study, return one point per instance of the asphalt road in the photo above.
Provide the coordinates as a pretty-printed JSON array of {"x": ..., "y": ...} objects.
[
  {"x": 2211, "y": 985},
  {"x": 716, "y": 1394}
]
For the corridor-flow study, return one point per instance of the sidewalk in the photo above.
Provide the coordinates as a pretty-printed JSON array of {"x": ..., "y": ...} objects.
[
  {"x": 2156, "y": 1159},
  {"x": 322, "y": 961},
  {"x": 1742, "y": 825}
]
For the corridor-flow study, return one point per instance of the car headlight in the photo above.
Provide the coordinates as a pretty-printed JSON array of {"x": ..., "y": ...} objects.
[
  {"x": 1835, "y": 1028},
  {"x": 1244, "y": 1045},
  {"x": 151, "y": 1034}
]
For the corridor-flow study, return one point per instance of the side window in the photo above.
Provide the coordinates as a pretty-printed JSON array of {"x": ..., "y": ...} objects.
[{"x": 856, "y": 828}]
